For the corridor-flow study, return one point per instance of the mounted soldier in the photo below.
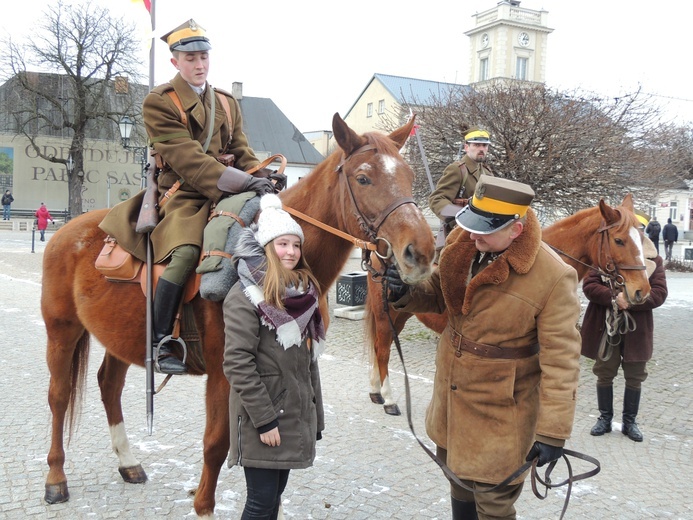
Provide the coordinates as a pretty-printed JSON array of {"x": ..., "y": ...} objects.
[{"x": 196, "y": 134}]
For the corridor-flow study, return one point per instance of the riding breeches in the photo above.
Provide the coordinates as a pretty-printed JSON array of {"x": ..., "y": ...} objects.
[
  {"x": 634, "y": 372},
  {"x": 183, "y": 261},
  {"x": 496, "y": 505}
]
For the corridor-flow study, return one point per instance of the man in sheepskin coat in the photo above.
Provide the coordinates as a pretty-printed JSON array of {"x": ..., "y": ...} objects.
[{"x": 507, "y": 364}]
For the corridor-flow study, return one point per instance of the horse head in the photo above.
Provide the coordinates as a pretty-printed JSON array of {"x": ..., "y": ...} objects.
[
  {"x": 375, "y": 183},
  {"x": 621, "y": 249}
]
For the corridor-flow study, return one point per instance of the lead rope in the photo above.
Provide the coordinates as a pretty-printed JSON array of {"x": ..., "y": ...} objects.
[{"x": 535, "y": 478}]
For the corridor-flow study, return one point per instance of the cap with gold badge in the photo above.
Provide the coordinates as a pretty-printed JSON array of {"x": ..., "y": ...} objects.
[
  {"x": 187, "y": 37},
  {"x": 496, "y": 204},
  {"x": 476, "y": 135}
]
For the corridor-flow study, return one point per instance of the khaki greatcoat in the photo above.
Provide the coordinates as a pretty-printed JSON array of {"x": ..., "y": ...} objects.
[
  {"x": 487, "y": 412},
  {"x": 184, "y": 216},
  {"x": 450, "y": 186}
]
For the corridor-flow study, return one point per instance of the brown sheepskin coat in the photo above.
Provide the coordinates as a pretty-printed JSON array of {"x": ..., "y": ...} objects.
[{"x": 488, "y": 412}]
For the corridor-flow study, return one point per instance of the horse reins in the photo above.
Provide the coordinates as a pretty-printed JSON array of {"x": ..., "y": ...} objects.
[
  {"x": 617, "y": 321},
  {"x": 370, "y": 227}
]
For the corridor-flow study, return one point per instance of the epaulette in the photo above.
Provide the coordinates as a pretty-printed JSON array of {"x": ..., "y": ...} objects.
[
  {"x": 222, "y": 91},
  {"x": 163, "y": 88}
]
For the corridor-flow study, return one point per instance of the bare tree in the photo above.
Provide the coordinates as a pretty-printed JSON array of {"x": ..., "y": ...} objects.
[
  {"x": 573, "y": 148},
  {"x": 94, "y": 53}
]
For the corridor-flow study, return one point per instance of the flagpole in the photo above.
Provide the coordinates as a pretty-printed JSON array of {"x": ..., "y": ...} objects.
[{"x": 151, "y": 45}]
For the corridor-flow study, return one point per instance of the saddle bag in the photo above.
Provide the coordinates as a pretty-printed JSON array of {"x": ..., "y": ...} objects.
[{"x": 116, "y": 264}]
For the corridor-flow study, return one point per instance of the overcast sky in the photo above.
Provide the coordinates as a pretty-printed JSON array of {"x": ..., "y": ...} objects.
[{"x": 314, "y": 57}]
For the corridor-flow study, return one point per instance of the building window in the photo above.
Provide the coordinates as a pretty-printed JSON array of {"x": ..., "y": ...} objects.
[
  {"x": 521, "y": 68},
  {"x": 381, "y": 106},
  {"x": 673, "y": 210},
  {"x": 483, "y": 69},
  {"x": 369, "y": 110}
]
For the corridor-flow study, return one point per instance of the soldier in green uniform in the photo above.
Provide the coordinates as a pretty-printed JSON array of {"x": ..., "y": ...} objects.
[
  {"x": 189, "y": 125},
  {"x": 458, "y": 182}
]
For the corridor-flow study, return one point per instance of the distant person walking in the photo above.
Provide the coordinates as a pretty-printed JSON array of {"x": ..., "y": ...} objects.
[
  {"x": 42, "y": 217},
  {"x": 670, "y": 234},
  {"x": 7, "y": 199},
  {"x": 653, "y": 230}
]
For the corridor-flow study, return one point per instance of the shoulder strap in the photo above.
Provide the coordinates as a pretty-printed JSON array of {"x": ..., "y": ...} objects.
[
  {"x": 176, "y": 101},
  {"x": 227, "y": 108},
  {"x": 465, "y": 174}
]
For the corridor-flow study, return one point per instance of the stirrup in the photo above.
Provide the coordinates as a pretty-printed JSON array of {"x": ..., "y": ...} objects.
[{"x": 165, "y": 340}]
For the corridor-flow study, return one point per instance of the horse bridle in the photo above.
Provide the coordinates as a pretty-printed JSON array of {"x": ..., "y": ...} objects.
[{"x": 610, "y": 269}]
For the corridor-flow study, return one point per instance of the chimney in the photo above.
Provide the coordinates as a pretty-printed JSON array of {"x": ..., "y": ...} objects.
[{"x": 237, "y": 90}]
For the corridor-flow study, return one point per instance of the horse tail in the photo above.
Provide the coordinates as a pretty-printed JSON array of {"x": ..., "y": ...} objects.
[{"x": 78, "y": 376}]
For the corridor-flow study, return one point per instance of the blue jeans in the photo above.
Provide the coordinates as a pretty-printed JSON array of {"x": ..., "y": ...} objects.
[
  {"x": 264, "y": 489},
  {"x": 6, "y": 212}
]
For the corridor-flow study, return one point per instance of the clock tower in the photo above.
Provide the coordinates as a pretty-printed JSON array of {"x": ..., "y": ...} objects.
[{"x": 508, "y": 42}]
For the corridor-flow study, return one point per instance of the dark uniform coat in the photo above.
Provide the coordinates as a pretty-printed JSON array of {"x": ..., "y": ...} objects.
[
  {"x": 487, "y": 412},
  {"x": 450, "y": 185},
  {"x": 184, "y": 216},
  {"x": 637, "y": 345},
  {"x": 268, "y": 383}
]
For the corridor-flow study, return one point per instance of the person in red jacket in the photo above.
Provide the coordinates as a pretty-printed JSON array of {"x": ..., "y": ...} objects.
[
  {"x": 631, "y": 350},
  {"x": 42, "y": 217}
]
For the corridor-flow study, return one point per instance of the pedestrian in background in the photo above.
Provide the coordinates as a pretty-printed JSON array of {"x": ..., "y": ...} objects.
[
  {"x": 7, "y": 200},
  {"x": 274, "y": 334},
  {"x": 630, "y": 350},
  {"x": 653, "y": 230},
  {"x": 42, "y": 217},
  {"x": 670, "y": 234}
]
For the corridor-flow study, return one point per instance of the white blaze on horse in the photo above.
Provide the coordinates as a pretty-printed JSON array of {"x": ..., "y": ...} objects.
[
  {"x": 363, "y": 189},
  {"x": 603, "y": 236}
]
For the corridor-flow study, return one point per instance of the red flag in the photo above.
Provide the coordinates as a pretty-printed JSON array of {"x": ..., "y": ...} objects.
[
  {"x": 414, "y": 129},
  {"x": 148, "y": 5}
]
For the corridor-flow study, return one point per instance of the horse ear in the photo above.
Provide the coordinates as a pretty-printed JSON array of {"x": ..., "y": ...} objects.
[
  {"x": 628, "y": 202},
  {"x": 401, "y": 135},
  {"x": 346, "y": 138},
  {"x": 610, "y": 214}
]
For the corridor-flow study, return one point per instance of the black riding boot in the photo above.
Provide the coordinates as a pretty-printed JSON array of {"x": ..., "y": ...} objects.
[
  {"x": 631, "y": 403},
  {"x": 166, "y": 302},
  {"x": 462, "y": 510},
  {"x": 605, "y": 401}
]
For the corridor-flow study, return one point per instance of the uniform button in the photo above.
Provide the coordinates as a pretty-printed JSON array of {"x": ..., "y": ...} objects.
[
  {"x": 453, "y": 387},
  {"x": 281, "y": 411}
]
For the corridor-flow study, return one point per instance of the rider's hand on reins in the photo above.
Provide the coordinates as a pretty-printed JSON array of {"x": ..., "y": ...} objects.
[
  {"x": 397, "y": 288},
  {"x": 544, "y": 453}
]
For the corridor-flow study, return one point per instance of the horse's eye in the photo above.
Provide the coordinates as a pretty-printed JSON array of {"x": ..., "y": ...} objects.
[
  {"x": 363, "y": 180},
  {"x": 618, "y": 241}
]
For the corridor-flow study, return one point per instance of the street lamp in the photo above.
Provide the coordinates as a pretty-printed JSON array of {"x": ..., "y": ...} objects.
[{"x": 126, "y": 126}]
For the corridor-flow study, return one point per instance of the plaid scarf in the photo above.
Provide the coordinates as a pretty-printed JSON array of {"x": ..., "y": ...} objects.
[{"x": 301, "y": 316}]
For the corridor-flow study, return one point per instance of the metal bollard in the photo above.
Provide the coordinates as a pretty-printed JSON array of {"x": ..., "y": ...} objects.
[{"x": 33, "y": 237}]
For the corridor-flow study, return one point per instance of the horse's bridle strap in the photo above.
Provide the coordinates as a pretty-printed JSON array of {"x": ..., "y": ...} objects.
[{"x": 356, "y": 241}]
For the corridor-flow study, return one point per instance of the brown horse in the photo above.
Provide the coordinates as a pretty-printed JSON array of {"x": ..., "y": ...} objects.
[
  {"x": 599, "y": 236},
  {"x": 363, "y": 189}
]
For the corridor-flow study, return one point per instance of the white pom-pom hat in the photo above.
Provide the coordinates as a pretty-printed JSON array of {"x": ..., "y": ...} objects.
[{"x": 274, "y": 221}]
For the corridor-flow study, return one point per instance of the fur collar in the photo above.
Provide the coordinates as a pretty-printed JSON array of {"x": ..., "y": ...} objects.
[{"x": 458, "y": 255}]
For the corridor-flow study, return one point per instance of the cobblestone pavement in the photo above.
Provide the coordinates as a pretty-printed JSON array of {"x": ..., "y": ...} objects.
[{"x": 369, "y": 465}]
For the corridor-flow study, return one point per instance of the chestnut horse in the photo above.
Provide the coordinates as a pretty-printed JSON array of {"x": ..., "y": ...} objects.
[
  {"x": 363, "y": 189},
  {"x": 599, "y": 236}
]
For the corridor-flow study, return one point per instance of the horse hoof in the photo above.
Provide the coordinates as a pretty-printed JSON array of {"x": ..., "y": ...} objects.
[
  {"x": 57, "y": 493},
  {"x": 392, "y": 409},
  {"x": 133, "y": 474},
  {"x": 377, "y": 398}
]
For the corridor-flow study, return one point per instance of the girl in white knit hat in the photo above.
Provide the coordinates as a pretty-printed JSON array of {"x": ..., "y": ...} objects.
[{"x": 274, "y": 333}]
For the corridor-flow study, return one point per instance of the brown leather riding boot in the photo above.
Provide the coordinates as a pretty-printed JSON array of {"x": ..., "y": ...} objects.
[{"x": 166, "y": 302}]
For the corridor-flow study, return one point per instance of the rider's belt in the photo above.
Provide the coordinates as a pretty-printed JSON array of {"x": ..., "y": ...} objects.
[{"x": 461, "y": 343}]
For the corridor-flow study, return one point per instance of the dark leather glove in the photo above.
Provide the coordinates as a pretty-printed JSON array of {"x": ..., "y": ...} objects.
[
  {"x": 279, "y": 180},
  {"x": 544, "y": 453},
  {"x": 259, "y": 186},
  {"x": 397, "y": 288}
]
